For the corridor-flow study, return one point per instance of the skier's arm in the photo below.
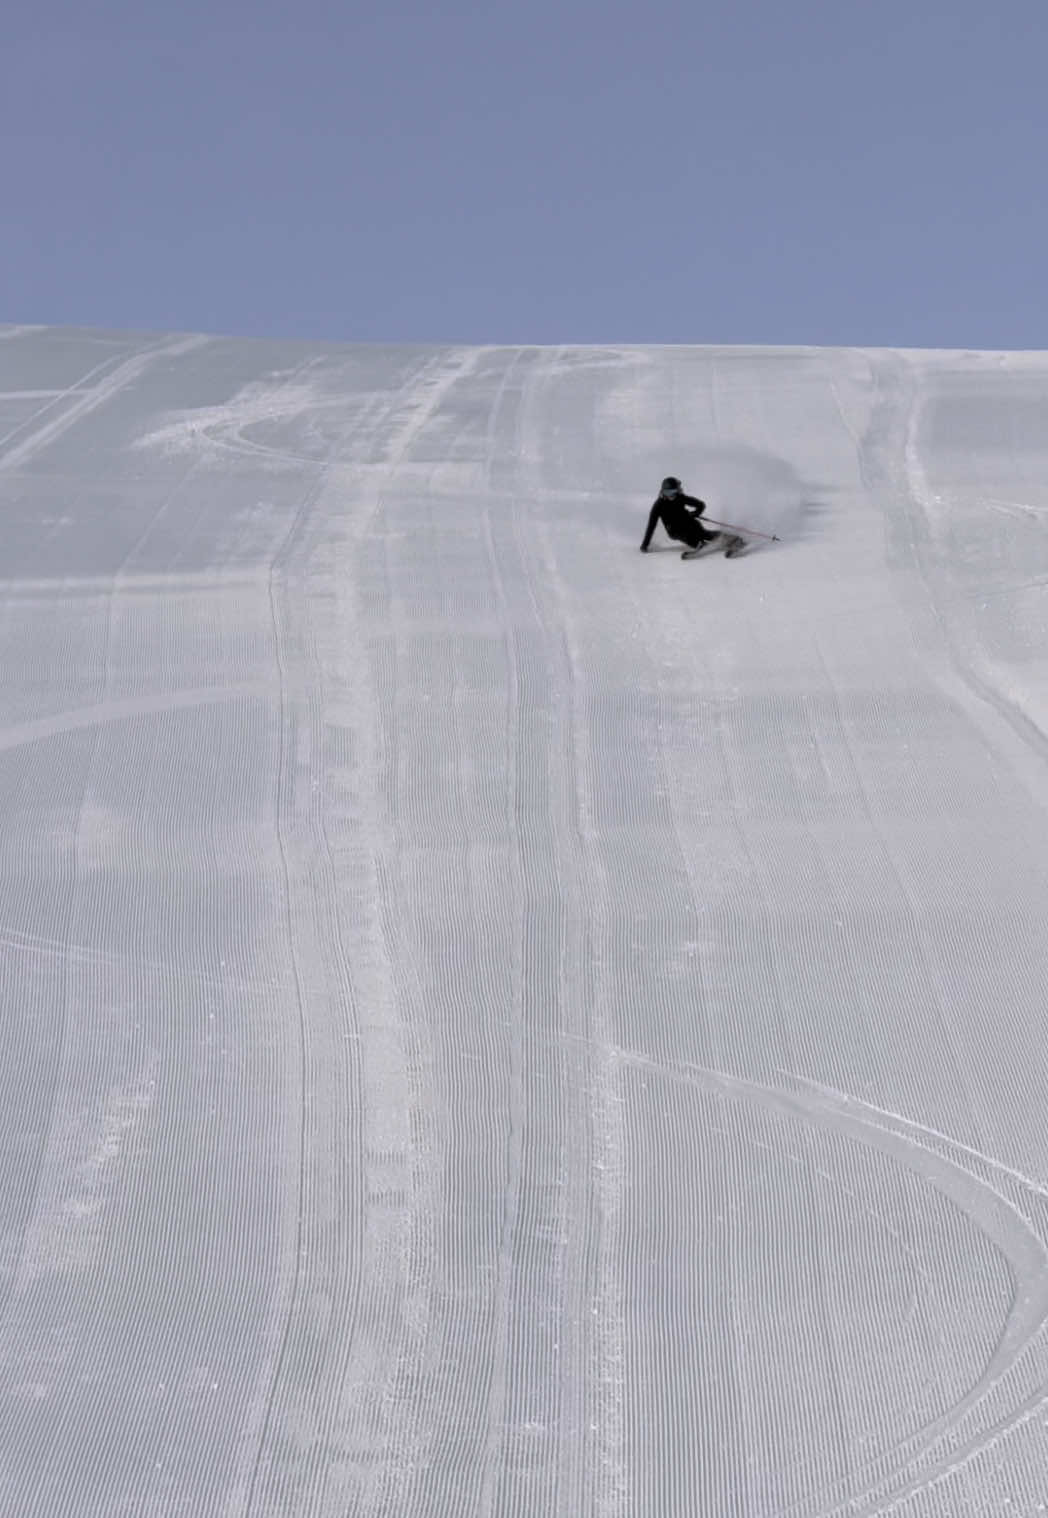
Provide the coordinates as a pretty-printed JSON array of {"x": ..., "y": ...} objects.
[
  {"x": 693, "y": 504},
  {"x": 653, "y": 522}
]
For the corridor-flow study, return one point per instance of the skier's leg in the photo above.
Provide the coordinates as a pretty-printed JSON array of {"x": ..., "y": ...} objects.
[
  {"x": 698, "y": 540},
  {"x": 698, "y": 536}
]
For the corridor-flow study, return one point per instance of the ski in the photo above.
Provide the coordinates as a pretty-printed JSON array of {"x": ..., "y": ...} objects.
[{"x": 730, "y": 544}]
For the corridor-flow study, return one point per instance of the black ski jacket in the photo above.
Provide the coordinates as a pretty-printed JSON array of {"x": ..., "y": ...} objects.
[{"x": 677, "y": 515}]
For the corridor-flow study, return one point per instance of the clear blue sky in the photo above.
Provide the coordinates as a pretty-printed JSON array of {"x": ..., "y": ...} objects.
[{"x": 744, "y": 171}]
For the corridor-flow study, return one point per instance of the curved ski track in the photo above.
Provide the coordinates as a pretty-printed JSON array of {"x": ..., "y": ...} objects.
[{"x": 499, "y": 1025}]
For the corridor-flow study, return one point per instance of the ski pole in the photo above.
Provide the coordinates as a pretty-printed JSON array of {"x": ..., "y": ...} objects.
[{"x": 751, "y": 531}]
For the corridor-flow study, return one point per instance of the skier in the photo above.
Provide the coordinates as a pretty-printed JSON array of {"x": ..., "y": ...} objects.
[{"x": 679, "y": 514}]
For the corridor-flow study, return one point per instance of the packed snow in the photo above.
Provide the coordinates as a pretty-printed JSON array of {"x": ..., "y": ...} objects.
[{"x": 498, "y": 1025}]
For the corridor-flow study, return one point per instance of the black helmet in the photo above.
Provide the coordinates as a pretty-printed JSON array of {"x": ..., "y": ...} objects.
[{"x": 670, "y": 485}]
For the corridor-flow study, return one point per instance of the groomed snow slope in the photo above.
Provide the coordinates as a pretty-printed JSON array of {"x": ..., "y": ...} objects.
[{"x": 499, "y": 1026}]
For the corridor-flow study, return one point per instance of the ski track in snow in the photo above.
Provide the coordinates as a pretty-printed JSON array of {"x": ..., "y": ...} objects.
[{"x": 496, "y": 1024}]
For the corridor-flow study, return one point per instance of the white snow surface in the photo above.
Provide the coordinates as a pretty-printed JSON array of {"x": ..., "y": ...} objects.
[{"x": 496, "y": 1025}]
